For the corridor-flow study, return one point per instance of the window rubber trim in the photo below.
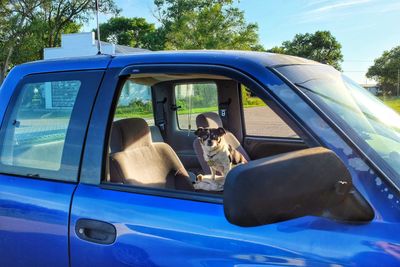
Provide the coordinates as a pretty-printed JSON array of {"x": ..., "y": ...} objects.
[{"x": 169, "y": 193}]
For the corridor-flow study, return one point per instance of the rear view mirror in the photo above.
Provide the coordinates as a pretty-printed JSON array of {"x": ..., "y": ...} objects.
[{"x": 307, "y": 182}]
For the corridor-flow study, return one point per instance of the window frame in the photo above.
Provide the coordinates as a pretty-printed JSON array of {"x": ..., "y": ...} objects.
[
  {"x": 95, "y": 159},
  {"x": 75, "y": 132},
  {"x": 191, "y": 82}
]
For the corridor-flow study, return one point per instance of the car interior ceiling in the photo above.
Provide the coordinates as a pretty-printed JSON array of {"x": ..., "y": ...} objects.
[{"x": 167, "y": 131}]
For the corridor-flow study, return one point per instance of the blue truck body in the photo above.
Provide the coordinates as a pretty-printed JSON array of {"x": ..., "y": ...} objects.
[{"x": 38, "y": 217}]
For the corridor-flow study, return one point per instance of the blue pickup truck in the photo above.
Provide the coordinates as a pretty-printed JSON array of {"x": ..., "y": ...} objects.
[{"x": 98, "y": 162}]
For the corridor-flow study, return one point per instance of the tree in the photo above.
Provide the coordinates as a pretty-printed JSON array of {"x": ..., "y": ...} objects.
[
  {"x": 134, "y": 32},
  {"x": 59, "y": 14},
  {"x": 320, "y": 46},
  {"x": 385, "y": 70},
  {"x": 205, "y": 24},
  {"x": 26, "y": 27}
]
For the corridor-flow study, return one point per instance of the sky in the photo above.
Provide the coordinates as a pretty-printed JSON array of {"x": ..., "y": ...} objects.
[{"x": 365, "y": 28}]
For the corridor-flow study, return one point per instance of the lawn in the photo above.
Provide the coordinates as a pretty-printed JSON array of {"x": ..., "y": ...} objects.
[
  {"x": 394, "y": 104},
  {"x": 147, "y": 115}
]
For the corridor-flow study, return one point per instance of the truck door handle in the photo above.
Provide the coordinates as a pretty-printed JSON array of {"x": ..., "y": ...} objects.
[{"x": 95, "y": 231}]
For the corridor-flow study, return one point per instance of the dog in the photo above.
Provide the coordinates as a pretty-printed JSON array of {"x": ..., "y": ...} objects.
[{"x": 219, "y": 155}]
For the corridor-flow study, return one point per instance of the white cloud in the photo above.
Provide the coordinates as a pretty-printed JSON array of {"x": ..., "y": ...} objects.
[
  {"x": 322, "y": 10},
  {"x": 339, "y": 5}
]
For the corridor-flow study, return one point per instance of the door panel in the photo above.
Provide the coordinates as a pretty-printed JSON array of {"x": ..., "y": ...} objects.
[
  {"x": 165, "y": 231},
  {"x": 42, "y": 137},
  {"x": 34, "y": 222},
  {"x": 160, "y": 231},
  {"x": 260, "y": 147}
]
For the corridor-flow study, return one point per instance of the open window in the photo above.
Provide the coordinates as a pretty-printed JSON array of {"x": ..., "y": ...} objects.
[
  {"x": 173, "y": 106},
  {"x": 137, "y": 164}
]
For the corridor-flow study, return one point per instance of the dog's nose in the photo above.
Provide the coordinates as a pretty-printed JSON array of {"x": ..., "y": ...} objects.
[{"x": 209, "y": 142}]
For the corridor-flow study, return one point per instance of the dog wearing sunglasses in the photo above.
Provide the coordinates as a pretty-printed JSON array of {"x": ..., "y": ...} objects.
[{"x": 219, "y": 155}]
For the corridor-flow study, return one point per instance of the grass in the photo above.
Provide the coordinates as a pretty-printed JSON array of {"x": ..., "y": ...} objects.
[
  {"x": 149, "y": 115},
  {"x": 254, "y": 105},
  {"x": 198, "y": 110},
  {"x": 393, "y": 103},
  {"x": 127, "y": 114}
]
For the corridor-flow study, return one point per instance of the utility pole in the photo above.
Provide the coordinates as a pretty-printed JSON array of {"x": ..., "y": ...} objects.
[
  {"x": 398, "y": 82},
  {"x": 98, "y": 28}
]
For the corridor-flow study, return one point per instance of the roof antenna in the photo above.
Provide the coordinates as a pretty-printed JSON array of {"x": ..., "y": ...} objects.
[{"x": 98, "y": 29}]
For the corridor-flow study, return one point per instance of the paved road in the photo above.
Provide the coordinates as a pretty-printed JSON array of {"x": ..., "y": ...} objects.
[{"x": 260, "y": 121}]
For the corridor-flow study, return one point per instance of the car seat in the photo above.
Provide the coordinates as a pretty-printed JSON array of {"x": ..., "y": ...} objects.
[{"x": 141, "y": 162}]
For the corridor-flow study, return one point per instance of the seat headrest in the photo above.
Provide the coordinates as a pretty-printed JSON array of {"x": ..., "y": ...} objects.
[
  {"x": 129, "y": 133},
  {"x": 208, "y": 120}
]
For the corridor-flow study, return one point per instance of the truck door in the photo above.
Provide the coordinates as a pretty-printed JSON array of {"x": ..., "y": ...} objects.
[
  {"x": 115, "y": 224},
  {"x": 41, "y": 140}
]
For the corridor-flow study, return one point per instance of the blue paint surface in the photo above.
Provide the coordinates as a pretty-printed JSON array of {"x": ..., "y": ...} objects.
[{"x": 34, "y": 222}]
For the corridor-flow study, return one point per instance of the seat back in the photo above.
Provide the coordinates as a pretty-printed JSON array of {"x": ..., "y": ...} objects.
[
  {"x": 115, "y": 141},
  {"x": 141, "y": 162},
  {"x": 212, "y": 120}
]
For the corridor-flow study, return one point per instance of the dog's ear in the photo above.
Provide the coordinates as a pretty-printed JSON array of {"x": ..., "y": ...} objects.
[
  {"x": 199, "y": 131},
  {"x": 221, "y": 131}
]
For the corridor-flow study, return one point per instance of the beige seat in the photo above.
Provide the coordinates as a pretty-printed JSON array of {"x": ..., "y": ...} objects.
[
  {"x": 141, "y": 162},
  {"x": 212, "y": 120}
]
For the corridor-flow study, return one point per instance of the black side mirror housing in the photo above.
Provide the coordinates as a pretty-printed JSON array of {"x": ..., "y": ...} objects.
[{"x": 312, "y": 181}]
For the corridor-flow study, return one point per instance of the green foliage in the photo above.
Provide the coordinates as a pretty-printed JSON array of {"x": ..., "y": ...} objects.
[
  {"x": 27, "y": 27},
  {"x": 320, "y": 46},
  {"x": 249, "y": 100},
  {"x": 136, "y": 108},
  {"x": 204, "y": 96},
  {"x": 277, "y": 50},
  {"x": 205, "y": 24},
  {"x": 393, "y": 103},
  {"x": 134, "y": 32},
  {"x": 385, "y": 70}
]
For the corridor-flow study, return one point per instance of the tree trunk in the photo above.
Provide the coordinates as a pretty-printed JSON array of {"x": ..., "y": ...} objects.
[
  {"x": 51, "y": 38},
  {"x": 1, "y": 75},
  {"x": 6, "y": 65}
]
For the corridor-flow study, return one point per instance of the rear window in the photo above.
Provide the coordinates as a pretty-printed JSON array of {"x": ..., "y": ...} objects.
[
  {"x": 38, "y": 137},
  {"x": 193, "y": 99}
]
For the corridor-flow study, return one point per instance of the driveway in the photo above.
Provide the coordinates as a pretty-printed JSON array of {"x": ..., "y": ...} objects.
[{"x": 259, "y": 121}]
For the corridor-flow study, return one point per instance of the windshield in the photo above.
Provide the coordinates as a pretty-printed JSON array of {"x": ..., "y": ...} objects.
[{"x": 376, "y": 126}]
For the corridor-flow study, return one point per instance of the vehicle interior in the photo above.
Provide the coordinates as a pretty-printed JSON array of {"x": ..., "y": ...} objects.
[{"x": 152, "y": 142}]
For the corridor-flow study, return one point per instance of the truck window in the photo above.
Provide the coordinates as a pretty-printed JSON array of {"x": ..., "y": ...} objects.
[
  {"x": 43, "y": 125},
  {"x": 193, "y": 99}
]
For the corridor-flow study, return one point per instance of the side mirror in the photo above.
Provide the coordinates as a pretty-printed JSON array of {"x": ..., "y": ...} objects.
[{"x": 312, "y": 181}]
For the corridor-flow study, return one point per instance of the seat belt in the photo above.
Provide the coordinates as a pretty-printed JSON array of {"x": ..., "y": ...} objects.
[
  {"x": 160, "y": 116},
  {"x": 223, "y": 112}
]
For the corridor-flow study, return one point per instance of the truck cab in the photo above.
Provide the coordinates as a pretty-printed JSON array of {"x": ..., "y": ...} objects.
[{"x": 99, "y": 157}]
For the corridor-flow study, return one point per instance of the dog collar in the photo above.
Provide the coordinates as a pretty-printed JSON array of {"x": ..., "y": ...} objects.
[{"x": 211, "y": 156}]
